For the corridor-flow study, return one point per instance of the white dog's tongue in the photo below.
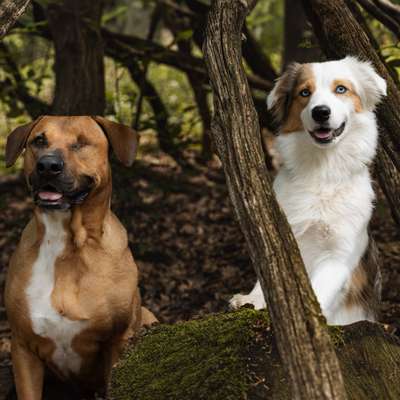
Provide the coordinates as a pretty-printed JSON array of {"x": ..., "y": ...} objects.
[
  {"x": 322, "y": 134},
  {"x": 50, "y": 196}
]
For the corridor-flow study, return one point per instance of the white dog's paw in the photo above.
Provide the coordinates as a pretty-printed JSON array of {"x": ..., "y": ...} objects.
[{"x": 239, "y": 300}]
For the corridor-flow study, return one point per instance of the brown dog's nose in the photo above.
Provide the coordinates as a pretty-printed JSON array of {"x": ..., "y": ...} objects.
[{"x": 50, "y": 165}]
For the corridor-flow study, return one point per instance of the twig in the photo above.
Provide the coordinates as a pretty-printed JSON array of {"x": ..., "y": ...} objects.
[{"x": 381, "y": 16}]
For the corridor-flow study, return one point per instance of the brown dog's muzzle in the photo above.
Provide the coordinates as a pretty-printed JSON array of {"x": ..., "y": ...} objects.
[{"x": 54, "y": 187}]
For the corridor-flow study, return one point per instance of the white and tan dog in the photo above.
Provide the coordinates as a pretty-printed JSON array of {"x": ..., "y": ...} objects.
[{"x": 324, "y": 113}]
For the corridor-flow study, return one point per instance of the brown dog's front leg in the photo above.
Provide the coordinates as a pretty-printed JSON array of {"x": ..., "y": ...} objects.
[{"x": 28, "y": 372}]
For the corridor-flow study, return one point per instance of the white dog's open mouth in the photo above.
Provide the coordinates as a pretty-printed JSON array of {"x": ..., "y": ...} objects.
[{"x": 326, "y": 134}]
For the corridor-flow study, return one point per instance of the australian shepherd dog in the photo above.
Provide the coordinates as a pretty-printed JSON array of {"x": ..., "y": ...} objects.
[{"x": 324, "y": 115}]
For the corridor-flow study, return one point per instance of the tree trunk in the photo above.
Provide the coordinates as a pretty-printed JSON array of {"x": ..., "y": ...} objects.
[
  {"x": 150, "y": 93},
  {"x": 295, "y": 27},
  {"x": 79, "y": 64},
  {"x": 10, "y": 11},
  {"x": 340, "y": 34},
  {"x": 234, "y": 356},
  {"x": 389, "y": 181},
  {"x": 302, "y": 339}
]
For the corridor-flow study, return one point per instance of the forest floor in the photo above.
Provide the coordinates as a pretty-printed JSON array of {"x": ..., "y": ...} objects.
[{"x": 189, "y": 249}]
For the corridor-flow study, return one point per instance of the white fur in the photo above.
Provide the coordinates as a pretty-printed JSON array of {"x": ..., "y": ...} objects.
[
  {"x": 46, "y": 321},
  {"x": 325, "y": 190}
]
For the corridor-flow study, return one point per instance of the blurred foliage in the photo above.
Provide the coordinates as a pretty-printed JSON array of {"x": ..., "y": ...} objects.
[{"x": 266, "y": 23}]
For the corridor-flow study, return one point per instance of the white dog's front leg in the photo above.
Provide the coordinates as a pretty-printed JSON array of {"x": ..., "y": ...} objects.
[
  {"x": 255, "y": 297},
  {"x": 328, "y": 282}
]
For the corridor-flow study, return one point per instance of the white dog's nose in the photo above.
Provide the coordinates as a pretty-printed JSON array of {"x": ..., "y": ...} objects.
[{"x": 321, "y": 113}]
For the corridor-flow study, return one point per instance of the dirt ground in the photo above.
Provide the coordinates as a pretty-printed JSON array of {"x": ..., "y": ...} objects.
[{"x": 190, "y": 252}]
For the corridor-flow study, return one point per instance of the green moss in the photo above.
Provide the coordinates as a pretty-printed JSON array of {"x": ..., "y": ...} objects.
[
  {"x": 337, "y": 335},
  {"x": 200, "y": 359},
  {"x": 234, "y": 356}
]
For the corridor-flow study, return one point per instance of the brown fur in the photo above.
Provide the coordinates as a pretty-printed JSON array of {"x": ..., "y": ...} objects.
[
  {"x": 289, "y": 104},
  {"x": 351, "y": 93},
  {"x": 366, "y": 283},
  {"x": 95, "y": 278}
]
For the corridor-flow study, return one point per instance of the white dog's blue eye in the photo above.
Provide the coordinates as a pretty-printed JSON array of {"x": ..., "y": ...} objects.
[
  {"x": 305, "y": 93},
  {"x": 341, "y": 89}
]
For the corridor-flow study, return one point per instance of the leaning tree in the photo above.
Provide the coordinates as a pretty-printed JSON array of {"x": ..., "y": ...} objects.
[{"x": 302, "y": 339}]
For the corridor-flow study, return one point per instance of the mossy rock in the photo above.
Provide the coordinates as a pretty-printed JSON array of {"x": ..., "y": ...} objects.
[{"x": 233, "y": 356}]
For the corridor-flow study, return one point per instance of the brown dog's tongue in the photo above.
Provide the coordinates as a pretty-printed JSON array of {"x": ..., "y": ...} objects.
[{"x": 51, "y": 196}]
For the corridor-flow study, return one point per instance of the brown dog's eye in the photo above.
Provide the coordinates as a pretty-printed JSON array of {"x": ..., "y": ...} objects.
[
  {"x": 78, "y": 145},
  {"x": 39, "y": 141}
]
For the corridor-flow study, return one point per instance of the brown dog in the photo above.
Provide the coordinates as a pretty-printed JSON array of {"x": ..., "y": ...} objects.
[{"x": 71, "y": 293}]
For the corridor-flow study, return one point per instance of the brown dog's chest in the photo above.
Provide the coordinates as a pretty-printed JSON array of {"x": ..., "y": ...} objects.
[{"x": 71, "y": 302}]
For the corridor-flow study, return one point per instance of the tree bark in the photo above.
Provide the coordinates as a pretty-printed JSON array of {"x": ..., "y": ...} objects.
[
  {"x": 10, "y": 11},
  {"x": 79, "y": 64},
  {"x": 302, "y": 339},
  {"x": 337, "y": 28},
  {"x": 389, "y": 181}
]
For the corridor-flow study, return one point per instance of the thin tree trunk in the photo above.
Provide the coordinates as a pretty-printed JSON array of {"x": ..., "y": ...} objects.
[
  {"x": 79, "y": 64},
  {"x": 10, "y": 11},
  {"x": 340, "y": 34},
  {"x": 160, "y": 111},
  {"x": 177, "y": 23},
  {"x": 295, "y": 27},
  {"x": 389, "y": 181},
  {"x": 302, "y": 339}
]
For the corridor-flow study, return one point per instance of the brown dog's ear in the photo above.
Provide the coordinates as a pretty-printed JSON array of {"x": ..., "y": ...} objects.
[
  {"x": 280, "y": 98},
  {"x": 16, "y": 141},
  {"x": 124, "y": 140}
]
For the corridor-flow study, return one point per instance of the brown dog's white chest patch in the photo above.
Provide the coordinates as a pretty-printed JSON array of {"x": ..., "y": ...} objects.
[{"x": 46, "y": 320}]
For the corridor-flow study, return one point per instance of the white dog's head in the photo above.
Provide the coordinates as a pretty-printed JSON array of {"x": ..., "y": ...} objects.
[{"x": 320, "y": 98}]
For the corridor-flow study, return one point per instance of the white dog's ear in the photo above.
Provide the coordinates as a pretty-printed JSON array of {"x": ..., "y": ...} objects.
[
  {"x": 371, "y": 86},
  {"x": 280, "y": 98}
]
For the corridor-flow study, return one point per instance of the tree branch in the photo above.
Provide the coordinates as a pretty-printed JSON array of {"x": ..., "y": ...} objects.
[
  {"x": 10, "y": 11},
  {"x": 389, "y": 8},
  {"x": 381, "y": 16},
  {"x": 122, "y": 47}
]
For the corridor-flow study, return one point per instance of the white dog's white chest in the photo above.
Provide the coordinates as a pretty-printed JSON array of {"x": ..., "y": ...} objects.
[{"x": 46, "y": 321}]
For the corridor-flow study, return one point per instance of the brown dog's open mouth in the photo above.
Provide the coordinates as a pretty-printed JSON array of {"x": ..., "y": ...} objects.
[
  {"x": 51, "y": 197},
  {"x": 325, "y": 135}
]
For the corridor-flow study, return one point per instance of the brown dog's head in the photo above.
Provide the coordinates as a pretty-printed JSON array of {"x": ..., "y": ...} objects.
[{"x": 67, "y": 157}]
